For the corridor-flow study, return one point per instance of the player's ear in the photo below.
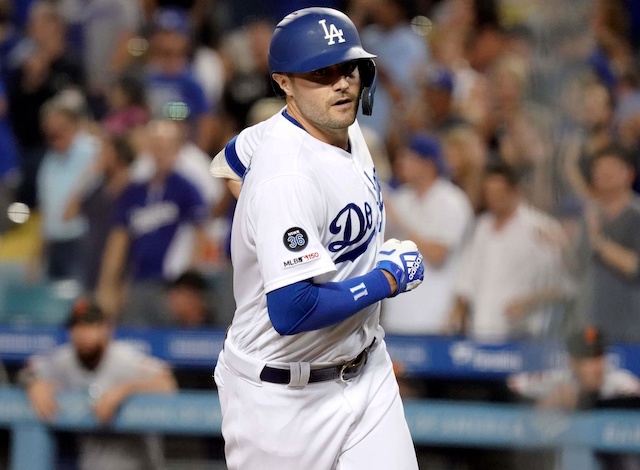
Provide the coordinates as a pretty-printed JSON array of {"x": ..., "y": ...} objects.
[{"x": 283, "y": 81}]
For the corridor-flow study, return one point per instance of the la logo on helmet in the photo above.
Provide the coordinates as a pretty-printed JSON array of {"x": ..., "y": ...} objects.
[{"x": 331, "y": 33}]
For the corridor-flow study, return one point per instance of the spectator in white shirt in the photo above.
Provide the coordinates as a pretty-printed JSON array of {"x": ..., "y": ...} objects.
[
  {"x": 511, "y": 273},
  {"x": 436, "y": 214}
]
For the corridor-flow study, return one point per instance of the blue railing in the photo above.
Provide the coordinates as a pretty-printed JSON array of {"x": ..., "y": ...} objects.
[
  {"x": 574, "y": 435},
  {"x": 431, "y": 422},
  {"x": 420, "y": 355}
]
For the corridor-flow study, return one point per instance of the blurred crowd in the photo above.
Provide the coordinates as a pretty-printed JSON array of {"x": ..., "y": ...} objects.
[{"x": 506, "y": 135}]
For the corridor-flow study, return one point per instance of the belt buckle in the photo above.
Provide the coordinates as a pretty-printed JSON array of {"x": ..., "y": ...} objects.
[
  {"x": 356, "y": 363},
  {"x": 343, "y": 370}
]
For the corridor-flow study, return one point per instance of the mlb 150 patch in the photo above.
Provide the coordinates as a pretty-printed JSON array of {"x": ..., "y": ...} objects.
[
  {"x": 302, "y": 259},
  {"x": 295, "y": 239}
]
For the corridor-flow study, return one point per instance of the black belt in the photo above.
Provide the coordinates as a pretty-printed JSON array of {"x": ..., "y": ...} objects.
[{"x": 346, "y": 371}]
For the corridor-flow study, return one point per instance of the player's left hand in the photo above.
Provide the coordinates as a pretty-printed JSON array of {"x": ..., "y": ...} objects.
[
  {"x": 108, "y": 403},
  {"x": 403, "y": 261}
]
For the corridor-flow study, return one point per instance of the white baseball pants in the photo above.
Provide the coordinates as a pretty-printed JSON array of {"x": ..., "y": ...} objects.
[{"x": 331, "y": 425}]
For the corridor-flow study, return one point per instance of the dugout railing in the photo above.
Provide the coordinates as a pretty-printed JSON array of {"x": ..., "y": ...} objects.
[{"x": 574, "y": 435}]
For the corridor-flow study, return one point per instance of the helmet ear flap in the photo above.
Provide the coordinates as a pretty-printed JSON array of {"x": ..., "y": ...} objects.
[{"x": 369, "y": 79}]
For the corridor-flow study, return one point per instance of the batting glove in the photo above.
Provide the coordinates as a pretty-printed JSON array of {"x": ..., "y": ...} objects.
[{"x": 403, "y": 261}]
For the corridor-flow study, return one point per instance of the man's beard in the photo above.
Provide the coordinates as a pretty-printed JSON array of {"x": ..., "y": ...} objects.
[
  {"x": 324, "y": 117},
  {"x": 90, "y": 359},
  {"x": 597, "y": 126}
]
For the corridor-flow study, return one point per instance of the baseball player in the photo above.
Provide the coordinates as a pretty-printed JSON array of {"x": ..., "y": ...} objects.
[{"x": 304, "y": 378}]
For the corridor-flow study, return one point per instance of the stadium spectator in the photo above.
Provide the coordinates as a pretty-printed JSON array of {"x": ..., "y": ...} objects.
[
  {"x": 249, "y": 80},
  {"x": 436, "y": 214},
  {"x": 100, "y": 31},
  {"x": 596, "y": 120},
  {"x": 521, "y": 42},
  {"x": 96, "y": 200},
  {"x": 465, "y": 153},
  {"x": 69, "y": 157},
  {"x": 627, "y": 117},
  {"x": 126, "y": 106},
  {"x": 612, "y": 223},
  {"x": 486, "y": 42},
  {"x": 589, "y": 381},
  {"x": 437, "y": 103},
  {"x": 510, "y": 274},
  {"x": 438, "y": 96},
  {"x": 172, "y": 90},
  {"x": 454, "y": 25},
  {"x": 208, "y": 64},
  {"x": 149, "y": 218},
  {"x": 402, "y": 57},
  {"x": 190, "y": 301},
  {"x": 519, "y": 131},
  {"x": 45, "y": 67},
  {"x": 192, "y": 162},
  {"x": 588, "y": 378},
  {"x": 612, "y": 52},
  {"x": 109, "y": 372}
]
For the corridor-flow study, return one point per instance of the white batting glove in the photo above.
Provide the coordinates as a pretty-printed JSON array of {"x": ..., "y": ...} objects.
[{"x": 403, "y": 261}]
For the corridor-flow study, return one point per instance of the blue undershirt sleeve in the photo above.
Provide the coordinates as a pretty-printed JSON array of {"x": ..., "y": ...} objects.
[{"x": 305, "y": 306}]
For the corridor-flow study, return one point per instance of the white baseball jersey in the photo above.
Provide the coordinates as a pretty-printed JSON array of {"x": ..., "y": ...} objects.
[{"x": 307, "y": 210}]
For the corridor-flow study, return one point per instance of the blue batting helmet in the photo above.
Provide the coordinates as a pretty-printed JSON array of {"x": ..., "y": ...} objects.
[{"x": 313, "y": 38}]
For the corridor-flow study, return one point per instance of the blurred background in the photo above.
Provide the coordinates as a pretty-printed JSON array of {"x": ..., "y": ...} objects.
[{"x": 506, "y": 136}]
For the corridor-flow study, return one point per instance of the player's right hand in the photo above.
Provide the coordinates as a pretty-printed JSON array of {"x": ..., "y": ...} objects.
[
  {"x": 41, "y": 394},
  {"x": 403, "y": 261}
]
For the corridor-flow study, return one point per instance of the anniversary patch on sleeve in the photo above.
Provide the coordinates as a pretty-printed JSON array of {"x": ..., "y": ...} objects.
[{"x": 302, "y": 259}]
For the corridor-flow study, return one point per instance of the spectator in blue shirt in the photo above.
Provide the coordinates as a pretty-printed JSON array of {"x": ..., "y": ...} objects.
[
  {"x": 142, "y": 245},
  {"x": 402, "y": 56},
  {"x": 71, "y": 153}
]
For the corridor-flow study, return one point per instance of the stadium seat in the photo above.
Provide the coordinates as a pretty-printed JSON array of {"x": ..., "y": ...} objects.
[{"x": 43, "y": 303}]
